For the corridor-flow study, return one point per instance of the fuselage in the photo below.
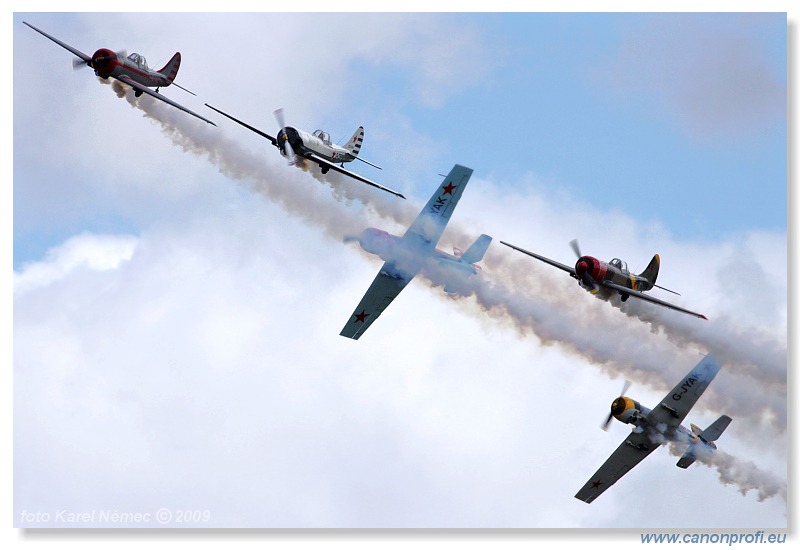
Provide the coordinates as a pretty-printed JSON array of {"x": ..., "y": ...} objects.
[
  {"x": 628, "y": 411},
  {"x": 110, "y": 64},
  {"x": 408, "y": 255},
  {"x": 615, "y": 271},
  {"x": 318, "y": 143}
]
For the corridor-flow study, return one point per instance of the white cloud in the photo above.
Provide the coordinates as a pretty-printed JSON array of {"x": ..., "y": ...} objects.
[
  {"x": 208, "y": 368},
  {"x": 205, "y": 369},
  {"x": 93, "y": 252}
]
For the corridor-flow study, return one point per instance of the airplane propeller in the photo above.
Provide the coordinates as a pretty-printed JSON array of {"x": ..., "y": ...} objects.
[
  {"x": 583, "y": 274},
  {"x": 287, "y": 147},
  {"x": 576, "y": 247},
  {"x": 625, "y": 386}
]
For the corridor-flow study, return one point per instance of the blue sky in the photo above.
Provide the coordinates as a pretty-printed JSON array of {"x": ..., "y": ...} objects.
[
  {"x": 554, "y": 101},
  {"x": 189, "y": 287}
]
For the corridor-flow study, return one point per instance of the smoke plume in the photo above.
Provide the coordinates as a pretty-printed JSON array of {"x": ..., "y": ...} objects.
[{"x": 647, "y": 344}]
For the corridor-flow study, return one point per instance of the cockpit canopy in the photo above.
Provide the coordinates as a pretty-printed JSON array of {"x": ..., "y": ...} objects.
[
  {"x": 619, "y": 264},
  {"x": 139, "y": 60},
  {"x": 323, "y": 136}
]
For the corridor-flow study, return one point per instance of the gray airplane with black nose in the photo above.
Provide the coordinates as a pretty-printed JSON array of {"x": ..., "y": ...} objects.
[
  {"x": 298, "y": 146},
  {"x": 652, "y": 428}
]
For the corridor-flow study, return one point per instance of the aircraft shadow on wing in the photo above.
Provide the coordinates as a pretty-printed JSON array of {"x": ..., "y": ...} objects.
[
  {"x": 406, "y": 256},
  {"x": 131, "y": 69},
  {"x": 299, "y": 146},
  {"x": 652, "y": 428},
  {"x": 607, "y": 278}
]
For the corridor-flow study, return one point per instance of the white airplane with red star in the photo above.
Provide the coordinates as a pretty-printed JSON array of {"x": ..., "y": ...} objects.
[
  {"x": 132, "y": 70},
  {"x": 406, "y": 256}
]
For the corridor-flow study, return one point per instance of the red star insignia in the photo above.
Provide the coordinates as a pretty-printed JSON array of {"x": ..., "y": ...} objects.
[
  {"x": 361, "y": 317},
  {"x": 448, "y": 189}
]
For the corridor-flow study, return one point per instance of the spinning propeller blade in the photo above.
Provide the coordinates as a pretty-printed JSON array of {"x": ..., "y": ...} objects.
[
  {"x": 279, "y": 117},
  {"x": 78, "y": 63},
  {"x": 585, "y": 276},
  {"x": 287, "y": 147},
  {"x": 576, "y": 247}
]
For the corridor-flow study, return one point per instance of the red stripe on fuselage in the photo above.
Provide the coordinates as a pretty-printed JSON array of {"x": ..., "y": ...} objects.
[
  {"x": 600, "y": 271},
  {"x": 143, "y": 78}
]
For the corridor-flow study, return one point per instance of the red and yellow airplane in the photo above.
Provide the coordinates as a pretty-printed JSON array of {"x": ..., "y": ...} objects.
[
  {"x": 605, "y": 278},
  {"x": 132, "y": 70}
]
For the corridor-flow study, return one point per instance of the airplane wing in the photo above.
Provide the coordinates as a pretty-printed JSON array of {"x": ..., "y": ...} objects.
[
  {"x": 431, "y": 221},
  {"x": 630, "y": 453},
  {"x": 132, "y": 83},
  {"x": 335, "y": 167},
  {"x": 677, "y": 403},
  {"x": 367, "y": 162},
  {"x": 256, "y": 130},
  {"x": 568, "y": 269},
  {"x": 379, "y": 295},
  {"x": 79, "y": 53},
  {"x": 646, "y": 297}
]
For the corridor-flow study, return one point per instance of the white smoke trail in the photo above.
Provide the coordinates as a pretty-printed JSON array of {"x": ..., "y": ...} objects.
[
  {"x": 288, "y": 188},
  {"x": 516, "y": 292},
  {"x": 744, "y": 474}
]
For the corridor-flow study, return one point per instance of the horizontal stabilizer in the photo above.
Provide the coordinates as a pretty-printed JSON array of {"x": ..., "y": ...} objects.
[
  {"x": 709, "y": 435},
  {"x": 687, "y": 459},
  {"x": 475, "y": 252}
]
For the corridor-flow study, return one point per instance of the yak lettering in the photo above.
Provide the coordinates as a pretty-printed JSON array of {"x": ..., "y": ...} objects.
[{"x": 441, "y": 201}]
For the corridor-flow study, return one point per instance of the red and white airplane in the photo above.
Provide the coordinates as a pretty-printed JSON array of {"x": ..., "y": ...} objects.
[{"x": 132, "y": 70}]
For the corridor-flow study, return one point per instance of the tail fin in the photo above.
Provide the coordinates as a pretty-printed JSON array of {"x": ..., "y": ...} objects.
[
  {"x": 716, "y": 428},
  {"x": 708, "y": 436},
  {"x": 170, "y": 70},
  {"x": 476, "y": 251},
  {"x": 651, "y": 271},
  {"x": 354, "y": 145}
]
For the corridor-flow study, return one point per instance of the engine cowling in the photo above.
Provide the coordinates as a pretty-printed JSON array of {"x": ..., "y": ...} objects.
[
  {"x": 626, "y": 409},
  {"x": 589, "y": 271},
  {"x": 376, "y": 241},
  {"x": 104, "y": 61},
  {"x": 292, "y": 136}
]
